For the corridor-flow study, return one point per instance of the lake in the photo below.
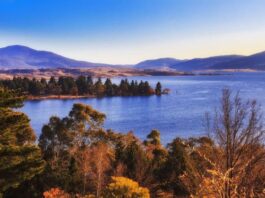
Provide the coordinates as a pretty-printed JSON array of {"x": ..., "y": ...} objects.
[{"x": 180, "y": 113}]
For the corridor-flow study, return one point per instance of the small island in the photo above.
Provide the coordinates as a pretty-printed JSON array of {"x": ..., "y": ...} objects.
[{"x": 66, "y": 87}]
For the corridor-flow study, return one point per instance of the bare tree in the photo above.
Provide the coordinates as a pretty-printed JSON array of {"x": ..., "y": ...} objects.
[{"x": 238, "y": 132}]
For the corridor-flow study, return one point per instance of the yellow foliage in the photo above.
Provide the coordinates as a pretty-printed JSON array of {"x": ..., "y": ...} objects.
[{"x": 122, "y": 187}]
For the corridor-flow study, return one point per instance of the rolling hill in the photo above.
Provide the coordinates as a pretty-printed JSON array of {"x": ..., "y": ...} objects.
[
  {"x": 234, "y": 62},
  {"x": 22, "y": 57},
  {"x": 204, "y": 63},
  {"x": 157, "y": 63},
  {"x": 255, "y": 62}
]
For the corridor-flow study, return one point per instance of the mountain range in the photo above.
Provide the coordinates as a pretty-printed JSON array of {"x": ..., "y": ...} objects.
[
  {"x": 22, "y": 57},
  {"x": 233, "y": 62}
]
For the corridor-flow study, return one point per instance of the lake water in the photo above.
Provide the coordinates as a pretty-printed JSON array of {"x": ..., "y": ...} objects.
[{"x": 180, "y": 113}]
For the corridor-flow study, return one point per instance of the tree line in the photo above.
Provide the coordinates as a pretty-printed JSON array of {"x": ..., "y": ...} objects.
[
  {"x": 80, "y": 86},
  {"x": 76, "y": 157}
]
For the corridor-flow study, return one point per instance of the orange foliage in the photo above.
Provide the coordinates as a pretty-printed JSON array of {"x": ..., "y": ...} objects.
[{"x": 55, "y": 193}]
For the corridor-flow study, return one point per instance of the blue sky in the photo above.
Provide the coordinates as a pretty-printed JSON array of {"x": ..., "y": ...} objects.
[{"x": 128, "y": 31}]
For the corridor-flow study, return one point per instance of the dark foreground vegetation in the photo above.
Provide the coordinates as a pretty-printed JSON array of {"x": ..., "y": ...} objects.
[
  {"x": 81, "y": 86},
  {"x": 76, "y": 157}
]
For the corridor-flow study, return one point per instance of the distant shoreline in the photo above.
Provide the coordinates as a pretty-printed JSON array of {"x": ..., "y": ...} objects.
[
  {"x": 62, "y": 97},
  {"x": 93, "y": 72},
  {"x": 106, "y": 72}
]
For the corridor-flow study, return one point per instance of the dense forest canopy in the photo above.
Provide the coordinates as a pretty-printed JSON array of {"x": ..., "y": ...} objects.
[
  {"x": 76, "y": 157},
  {"x": 81, "y": 86}
]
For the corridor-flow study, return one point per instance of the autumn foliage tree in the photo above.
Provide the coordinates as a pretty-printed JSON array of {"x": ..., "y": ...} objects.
[
  {"x": 234, "y": 163},
  {"x": 85, "y": 160}
]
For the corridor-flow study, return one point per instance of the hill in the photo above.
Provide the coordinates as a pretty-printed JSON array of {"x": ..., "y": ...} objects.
[
  {"x": 160, "y": 63},
  {"x": 255, "y": 62},
  {"x": 22, "y": 57},
  {"x": 233, "y": 62},
  {"x": 204, "y": 63}
]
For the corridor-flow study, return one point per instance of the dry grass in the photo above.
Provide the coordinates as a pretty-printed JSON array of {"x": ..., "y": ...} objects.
[{"x": 95, "y": 72}]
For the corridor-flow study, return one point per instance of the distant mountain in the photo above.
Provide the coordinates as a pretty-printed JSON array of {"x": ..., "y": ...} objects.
[
  {"x": 204, "y": 63},
  {"x": 157, "y": 63},
  {"x": 17, "y": 56},
  {"x": 255, "y": 62},
  {"x": 22, "y": 57}
]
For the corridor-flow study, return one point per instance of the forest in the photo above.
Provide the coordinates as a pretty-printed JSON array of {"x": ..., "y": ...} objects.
[
  {"x": 76, "y": 157},
  {"x": 81, "y": 86}
]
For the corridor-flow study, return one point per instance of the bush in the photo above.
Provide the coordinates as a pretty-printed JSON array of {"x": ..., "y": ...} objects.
[{"x": 122, "y": 187}]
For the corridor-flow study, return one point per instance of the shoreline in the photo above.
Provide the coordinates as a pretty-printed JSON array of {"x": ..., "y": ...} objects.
[
  {"x": 93, "y": 72},
  {"x": 62, "y": 97},
  {"x": 68, "y": 97}
]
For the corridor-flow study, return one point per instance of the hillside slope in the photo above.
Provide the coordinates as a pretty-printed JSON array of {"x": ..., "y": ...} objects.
[
  {"x": 17, "y": 56},
  {"x": 157, "y": 63},
  {"x": 204, "y": 63},
  {"x": 255, "y": 62}
]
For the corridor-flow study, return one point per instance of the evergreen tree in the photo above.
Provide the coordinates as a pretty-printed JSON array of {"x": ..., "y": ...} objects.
[
  {"x": 35, "y": 87},
  {"x": 52, "y": 80},
  {"x": 124, "y": 87},
  {"x": 20, "y": 158},
  {"x": 81, "y": 85},
  {"x": 109, "y": 88},
  {"x": 177, "y": 163},
  {"x": 53, "y": 87},
  {"x": 90, "y": 85},
  {"x": 99, "y": 88},
  {"x": 158, "y": 89}
]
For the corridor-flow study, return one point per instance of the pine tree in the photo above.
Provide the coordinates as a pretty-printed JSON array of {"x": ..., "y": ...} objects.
[
  {"x": 81, "y": 85},
  {"x": 158, "y": 89},
  {"x": 109, "y": 88},
  {"x": 99, "y": 88},
  {"x": 20, "y": 158},
  {"x": 90, "y": 85}
]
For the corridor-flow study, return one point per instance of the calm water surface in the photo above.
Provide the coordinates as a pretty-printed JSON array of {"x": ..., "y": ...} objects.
[{"x": 180, "y": 113}]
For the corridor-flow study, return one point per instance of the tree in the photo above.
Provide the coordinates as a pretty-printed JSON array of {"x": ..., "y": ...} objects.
[
  {"x": 109, "y": 87},
  {"x": 90, "y": 85},
  {"x": 67, "y": 85},
  {"x": 238, "y": 131},
  {"x": 158, "y": 89},
  {"x": 99, "y": 88},
  {"x": 66, "y": 144},
  {"x": 177, "y": 163},
  {"x": 157, "y": 156},
  {"x": 232, "y": 164},
  {"x": 20, "y": 158},
  {"x": 101, "y": 159},
  {"x": 147, "y": 89},
  {"x": 122, "y": 187},
  {"x": 130, "y": 152},
  {"x": 124, "y": 87},
  {"x": 153, "y": 138},
  {"x": 81, "y": 84},
  {"x": 36, "y": 87},
  {"x": 53, "y": 87}
]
